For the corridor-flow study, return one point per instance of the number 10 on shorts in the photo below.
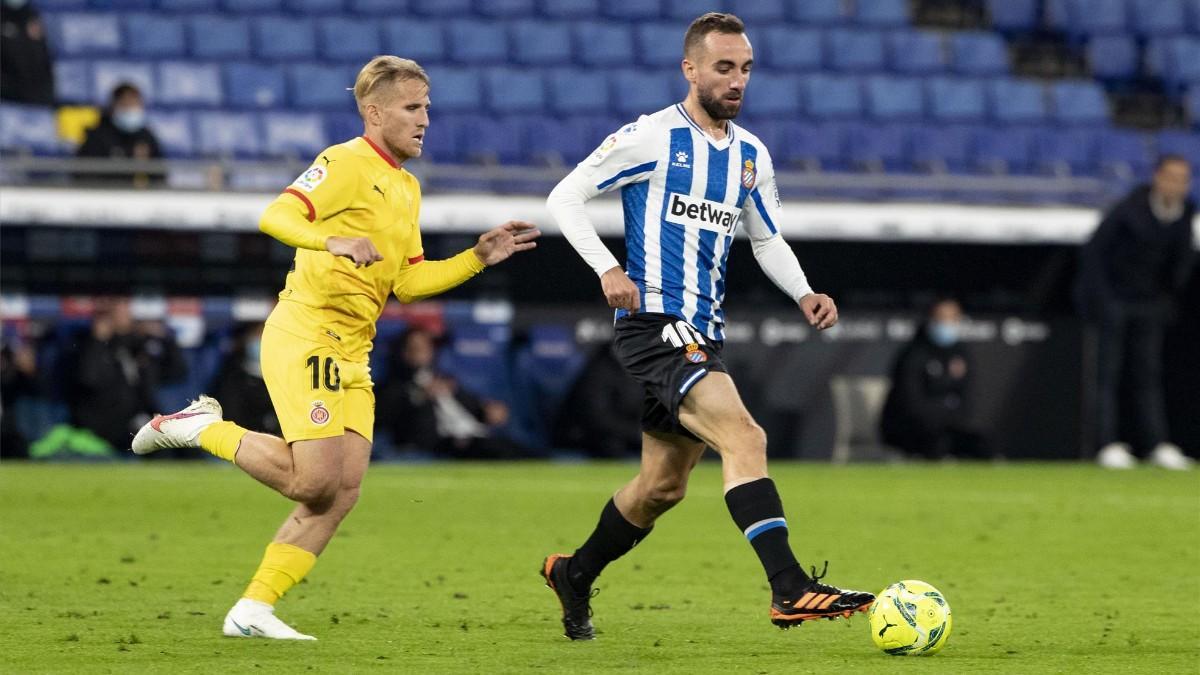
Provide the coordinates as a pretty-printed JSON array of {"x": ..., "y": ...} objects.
[
  {"x": 681, "y": 333},
  {"x": 332, "y": 379}
]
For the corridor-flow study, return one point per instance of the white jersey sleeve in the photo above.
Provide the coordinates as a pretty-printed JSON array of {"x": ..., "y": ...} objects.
[{"x": 761, "y": 215}]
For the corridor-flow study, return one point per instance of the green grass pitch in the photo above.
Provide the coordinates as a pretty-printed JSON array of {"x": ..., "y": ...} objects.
[{"x": 1048, "y": 569}]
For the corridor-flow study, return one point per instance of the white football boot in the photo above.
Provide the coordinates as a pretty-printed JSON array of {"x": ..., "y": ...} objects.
[
  {"x": 1116, "y": 456},
  {"x": 180, "y": 430},
  {"x": 254, "y": 619},
  {"x": 1169, "y": 456}
]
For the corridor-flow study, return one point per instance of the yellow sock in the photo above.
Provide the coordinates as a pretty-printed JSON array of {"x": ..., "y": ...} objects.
[
  {"x": 222, "y": 439},
  {"x": 282, "y": 567}
]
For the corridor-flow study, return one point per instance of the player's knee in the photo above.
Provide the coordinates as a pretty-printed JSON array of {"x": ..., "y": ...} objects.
[
  {"x": 743, "y": 436},
  {"x": 347, "y": 497},
  {"x": 665, "y": 494},
  {"x": 313, "y": 489}
]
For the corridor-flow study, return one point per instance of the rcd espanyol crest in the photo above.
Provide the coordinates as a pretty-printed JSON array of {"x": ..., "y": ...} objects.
[{"x": 748, "y": 174}]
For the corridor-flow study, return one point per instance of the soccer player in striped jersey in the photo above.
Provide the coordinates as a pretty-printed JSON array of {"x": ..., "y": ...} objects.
[{"x": 689, "y": 178}]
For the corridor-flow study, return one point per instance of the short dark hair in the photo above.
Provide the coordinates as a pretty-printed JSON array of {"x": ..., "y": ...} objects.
[
  {"x": 124, "y": 88},
  {"x": 712, "y": 22},
  {"x": 1168, "y": 158}
]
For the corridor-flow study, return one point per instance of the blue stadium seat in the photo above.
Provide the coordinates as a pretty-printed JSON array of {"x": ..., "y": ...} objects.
[
  {"x": 1113, "y": 57},
  {"x": 254, "y": 85},
  {"x": 378, "y": 8},
  {"x": 1078, "y": 102},
  {"x": 976, "y": 53},
  {"x": 814, "y": 146},
  {"x": 122, "y": 5},
  {"x": 1065, "y": 151},
  {"x": 940, "y": 149},
  {"x": 73, "y": 81},
  {"x": 422, "y": 41},
  {"x": 894, "y": 98},
  {"x": 570, "y": 9},
  {"x": 440, "y": 7},
  {"x": 956, "y": 99},
  {"x": 344, "y": 39},
  {"x": 307, "y": 7},
  {"x": 515, "y": 90},
  {"x": 1157, "y": 17},
  {"x": 1086, "y": 17},
  {"x": 1192, "y": 9},
  {"x": 916, "y": 52},
  {"x": 279, "y": 38},
  {"x": 681, "y": 12},
  {"x": 854, "y": 50},
  {"x": 441, "y": 139},
  {"x": 1178, "y": 142},
  {"x": 342, "y": 126},
  {"x": 642, "y": 10},
  {"x": 878, "y": 147},
  {"x": 299, "y": 135},
  {"x": 491, "y": 140},
  {"x": 578, "y": 91},
  {"x": 1013, "y": 16},
  {"x": 187, "y": 5},
  {"x": 504, "y": 8},
  {"x": 61, "y": 5},
  {"x": 659, "y": 44},
  {"x": 1192, "y": 103},
  {"x": 1001, "y": 151},
  {"x": 603, "y": 44},
  {"x": 817, "y": 12},
  {"x": 153, "y": 36},
  {"x": 544, "y": 371},
  {"x": 640, "y": 92},
  {"x": 881, "y": 13},
  {"x": 218, "y": 37},
  {"x": 1124, "y": 153},
  {"x": 455, "y": 90},
  {"x": 187, "y": 83},
  {"x": 832, "y": 97},
  {"x": 793, "y": 49},
  {"x": 476, "y": 358},
  {"x": 543, "y": 43},
  {"x": 1177, "y": 60},
  {"x": 225, "y": 134},
  {"x": 321, "y": 87},
  {"x": 556, "y": 142},
  {"x": 75, "y": 34},
  {"x": 174, "y": 131},
  {"x": 251, "y": 6},
  {"x": 1015, "y": 101},
  {"x": 477, "y": 42},
  {"x": 771, "y": 93},
  {"x": 106, "y": 75},
  {"x": 29, "y": 129}
]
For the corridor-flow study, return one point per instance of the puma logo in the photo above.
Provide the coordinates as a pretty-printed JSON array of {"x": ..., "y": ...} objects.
[
  {"x": 327, "y": 160},
  {"x": 376, "y": 188},
  {"x": 884, "y": 629}
]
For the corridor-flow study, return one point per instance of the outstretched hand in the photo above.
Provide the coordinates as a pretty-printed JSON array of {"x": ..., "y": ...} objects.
[
  {"x": 820, "y": 310},
  {"x": 499, "y": 244}
]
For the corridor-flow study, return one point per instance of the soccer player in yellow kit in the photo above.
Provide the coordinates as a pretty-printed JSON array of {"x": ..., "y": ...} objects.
[{"x": 352, "y": 217}]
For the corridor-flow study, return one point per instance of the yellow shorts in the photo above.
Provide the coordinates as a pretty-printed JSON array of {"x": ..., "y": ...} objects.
[{"x": 316, "y": 394}]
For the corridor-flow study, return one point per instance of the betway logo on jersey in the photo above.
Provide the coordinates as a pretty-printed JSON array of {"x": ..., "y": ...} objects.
[{"x": 707, "y": 215}]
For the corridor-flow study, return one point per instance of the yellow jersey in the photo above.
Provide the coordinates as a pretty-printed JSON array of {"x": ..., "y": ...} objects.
[{"x": 354, "y": 189}]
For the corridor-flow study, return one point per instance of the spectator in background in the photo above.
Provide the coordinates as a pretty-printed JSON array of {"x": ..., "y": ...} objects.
[
  {"x": 601, "y": 415},
  {"x": 927, "y": 413},
  {"x": 240, "y": 386},
  {"x": 122, "y": 134},
  {"x": 428, "y": 410},
  {"x": 18, "y": 379},
  {"x": 1130, "y": 271},
  {"x": 26, "y": 72}
]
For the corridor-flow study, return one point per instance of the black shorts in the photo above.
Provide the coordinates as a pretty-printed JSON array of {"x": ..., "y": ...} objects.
[{"x": 667, "y": 356}]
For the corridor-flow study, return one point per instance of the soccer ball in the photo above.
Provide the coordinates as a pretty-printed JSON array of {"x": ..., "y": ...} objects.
[{"x": 910, "y": 618}]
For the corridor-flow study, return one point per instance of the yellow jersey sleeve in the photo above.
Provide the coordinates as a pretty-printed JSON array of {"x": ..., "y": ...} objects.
[
  {"x": 321, "y": 192},
  {"x": 419, "y": 278}
]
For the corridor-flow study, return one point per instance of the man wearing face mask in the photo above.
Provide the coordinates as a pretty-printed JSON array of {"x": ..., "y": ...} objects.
[
  {"x": 928, "y": 408},
  {"x": 1130, "y": 271},
  {"x": 122, "y": 134},
  {"x": 26, "y": 72}
]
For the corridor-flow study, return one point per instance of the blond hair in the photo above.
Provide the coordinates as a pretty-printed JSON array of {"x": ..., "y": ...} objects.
[{"x": 383, "y": 70}]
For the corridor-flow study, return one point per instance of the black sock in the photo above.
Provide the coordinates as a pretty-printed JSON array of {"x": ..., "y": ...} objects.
[
  {"x": 613, "y": 537},
  {"x": 758, "y": 513}
]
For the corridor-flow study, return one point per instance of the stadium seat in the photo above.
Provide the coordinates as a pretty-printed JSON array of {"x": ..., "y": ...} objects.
[
  {"x": 1113, "y": 57},
  {"x": 73, "y": 81},
  {"x": 916, "y": 52},
  {"x": 1013, "y": 16},
  {"x": 640, "y": 92},
  {"x": 1192, "y": 10},
  {"x": 1192, "y": 104},
  {"x": 353, "y": 40},
  {"x": 894, "y": 98},
  {"x": 218, "y": 37},
  {"x": 441, "y": 139},
  {"x": 444, "y": 8},
  {"x": 309, "y": 7},
  {"x": 545, "y": 370},
  {"x": 578, "y": 91},
  {"x": 760, "y": 13},
  {"x": 832, "y": 97},
  {"x": 298, "y": 135},
  {"x": 29, "y": 129},
  {"x": 455, "y": 89},
  {"x": 491, "y": 140},
  {"x": 122, "y": 5},
  {"x": 642, "y": 10},
  {"x": 504, "y": 8},
  {"x": 187, "y": 83},
  {"x": 224, "y": 134},
  {"x": 681, "y": 12},
  {"x": 854, "y": 50},
  {"x": 813, "y": 146},
  {"x": 321, "y": 87},
  {"x": 75, "y": 34},
  {"x": 378, "y": 8},
  {"x": 1065, "y": 151},
  {"x": 659, "y": 44},
  {"x": 940, "y": 149},
  {"x": 773, "y": 94},
  {"x": 1000, "y": 151},
  {"x": 877, "y": 148},
  {"x": 251, "y": 6},
  {"x": 603, "y": 44},
  {"x": 1078, "y": 102},
  {"x": 61, "y": 5},
  {"x": 300, "y": 44},
  {"x": 476, "y": 358},
  {"x": 477, "y": 42},
  {"x": 543, "y": 43},
  {"x": 190, "y": 6},
  {"x": 1178, "y": 142},
  {"x": 1157, "y": 17},
  {"x": 956, "y": 99},
  {"x": 570, "y": 9},
  {"x": 341, "y": 127},
  {"x": 817, "y": 12},
  {"x": 106, "y": 75},
  {"x": 1086, "y": 17},
  {"x": 252, "y": 85},
  {"x": 793, "y": 49},
  {"x": 153, "y": 36},
  {"x": 422, "y": 41},
  {"x": 556, "y": 142},
  {"x": 1015, "y": 101},
  {"x": 976, "y": 53},
  {"x": 174, "y": 131},
  {"x": 881, "y": 13},
  {"x": 1180, "y": 61},
  {"x": 514, "y": 90},
  {"x": 1123, "y": 153}
]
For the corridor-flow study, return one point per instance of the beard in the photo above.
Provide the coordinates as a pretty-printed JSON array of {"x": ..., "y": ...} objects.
[{"x": 719, "y": 108}]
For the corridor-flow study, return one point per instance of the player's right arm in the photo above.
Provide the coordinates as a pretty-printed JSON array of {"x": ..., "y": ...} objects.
[{"x": 625, "y": 157}]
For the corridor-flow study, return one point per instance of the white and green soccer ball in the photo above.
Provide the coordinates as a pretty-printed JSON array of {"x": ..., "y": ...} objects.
[{"x": 910, "y": 618}]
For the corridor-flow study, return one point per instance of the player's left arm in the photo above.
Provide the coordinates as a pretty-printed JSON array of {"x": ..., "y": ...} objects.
[{"x": 761, "y": 214}]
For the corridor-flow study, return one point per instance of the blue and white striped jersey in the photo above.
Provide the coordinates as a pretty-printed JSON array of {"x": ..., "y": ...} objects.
[{"x": 685, "y": 194}]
